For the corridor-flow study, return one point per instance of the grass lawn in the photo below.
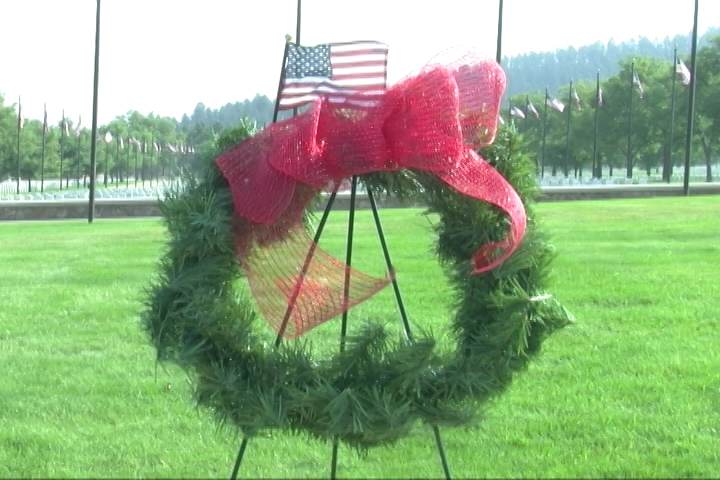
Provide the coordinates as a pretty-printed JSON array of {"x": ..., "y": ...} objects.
[{"x": 631, "y": 390}]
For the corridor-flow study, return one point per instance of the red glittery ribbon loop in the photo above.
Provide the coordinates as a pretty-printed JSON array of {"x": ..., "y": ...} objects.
[{"x": 433, "y": 121}]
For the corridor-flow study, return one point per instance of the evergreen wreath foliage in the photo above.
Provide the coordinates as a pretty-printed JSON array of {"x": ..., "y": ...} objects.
[{"x": 376, "y": 389}]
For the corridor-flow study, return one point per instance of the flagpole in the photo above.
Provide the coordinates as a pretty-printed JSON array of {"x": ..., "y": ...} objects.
[
  {"x": 127, "y": 165},
  {"x": 152, "y": 154},
  {"x": 597, "y": 169},
  {"x": 93, "y": 137},
  {"x": 79, "y": 159},
  {"x": 19, "y": 128},
  {"x": 567, "y": 135},
  {"x": 42, "y": 158},
  {"x": 105, "y": 169},
  {"x": 542, "y": 162},
  {"x": 691, "y": 104},
  {"x": 282, "y": 79},
  {"x": 498, "y": 53},
  {"x": 667, "y": 171},
  {"x": 629, "y": 166},
  {"x": 117, "y": 161},
  {"x": 62, "y": 142}
]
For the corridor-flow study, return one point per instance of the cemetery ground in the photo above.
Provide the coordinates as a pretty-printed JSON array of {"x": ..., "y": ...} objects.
[{"x": 631, "y": 389}]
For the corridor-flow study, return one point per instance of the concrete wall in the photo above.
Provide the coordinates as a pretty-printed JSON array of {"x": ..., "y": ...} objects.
[{"x": 120, "y": 208}]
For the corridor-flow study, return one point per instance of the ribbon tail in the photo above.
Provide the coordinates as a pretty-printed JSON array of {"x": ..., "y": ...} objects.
[
  {"x": 474, "y": 177},
  {"x": 293, "y": 273}
]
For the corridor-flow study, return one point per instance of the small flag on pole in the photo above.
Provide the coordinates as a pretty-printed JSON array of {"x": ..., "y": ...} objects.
[
  {"x": 637, "y": 84},
  {"x": 516, "y": 112},
  {"x": 354, "y": 73},
  {"x": 21, "y": 120},
  {"x": 171, "y": 148},
  {"x": 45, "y": 124},
  {"x": 120, "y": 143},
  {"x": 135, "y": 143},
  {"x": 683, "y": 72},
  {"x": 79, "y": 128},
  {"x": 108, "y": 137},
  {"x": 501, "y": 121},
  {"x": 555, "y": 104},
  {"x": 576, "y": 99},
  {"x": 531, "y": 108},
  {"x": 600, "y": 99}
]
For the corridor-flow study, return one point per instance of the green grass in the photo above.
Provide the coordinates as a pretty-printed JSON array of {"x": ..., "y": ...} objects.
[{"x": 631, "y": 390}]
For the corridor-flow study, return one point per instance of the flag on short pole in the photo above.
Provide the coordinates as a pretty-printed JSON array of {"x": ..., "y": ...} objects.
[
  {"x": 576, "y": 99},
  {"x": 531, "y": 108},
  {"x": 353, "y": 73},
  {"x": 638, "y": 85},
  {"x": 555, "y": 104},
  {"x": 108, "y": 137},
  {"x": 135, "y": 142},
  {"x": 516, "y": 112},
  {"x": 21, "y": 120},
  {"x": 45, "y": 124},
  {"x": 79, "y": 128},
  {"x": 600, "y": 98},
  {"x": 171, "y": 148},
  {"x": 683, "y": 72}
]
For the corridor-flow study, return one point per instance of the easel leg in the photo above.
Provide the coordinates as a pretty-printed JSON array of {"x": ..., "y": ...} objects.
[
  {"x": 403, "y": 315},
  {"x": 239, "y": 459},
  {"x": 346, "y": 295}
]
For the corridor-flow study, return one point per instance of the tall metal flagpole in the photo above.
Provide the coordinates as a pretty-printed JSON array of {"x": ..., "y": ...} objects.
[
  {"x": 62, "y": 143},
  {"x": 42, "y": 160},
  {"x": 93, "y": 136},
  {"x": 542, "y": 162},
  {"x": 498, "y": 52},
  {"x": 244, "y": 443},
  {"x": 19, "y": 128},
  {"x": 629, "y": 166},
  {"x": 597, "y": 169},
  {"x": 667, "y": 171},
  {"x": 691, "y": 105},
  {"x": 567, "y": 134}
]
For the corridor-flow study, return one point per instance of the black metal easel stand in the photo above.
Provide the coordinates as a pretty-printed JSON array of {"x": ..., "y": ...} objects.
[{"x": 343, "y": 327}]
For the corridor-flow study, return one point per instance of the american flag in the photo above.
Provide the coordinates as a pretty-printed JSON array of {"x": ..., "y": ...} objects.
[
  {"x": 531, "y": 108},
  {"x": 79, "y": 128},
  {"x": 636, "y": 83},
  {"x": 555, "y": 104},
  {"x": 576, "y": 99},
  {"x": 354, "y": 73},
  {"x": 683, "y": 72}
]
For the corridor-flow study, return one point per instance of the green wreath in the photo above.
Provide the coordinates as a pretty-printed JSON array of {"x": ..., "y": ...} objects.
[{"x": 376, "y": 389}]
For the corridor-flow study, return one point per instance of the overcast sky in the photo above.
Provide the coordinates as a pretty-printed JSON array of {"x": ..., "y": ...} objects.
[{"x": 165, "y": 56}]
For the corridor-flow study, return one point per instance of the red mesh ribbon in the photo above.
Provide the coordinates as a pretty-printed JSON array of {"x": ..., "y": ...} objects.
[{"x": 433, "y": 121}]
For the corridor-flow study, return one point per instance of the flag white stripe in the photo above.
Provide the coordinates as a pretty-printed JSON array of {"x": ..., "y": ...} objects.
[
  {"x": 351, "y": 47},
  {"x": 339, "y": 61},
  {"x": 313, "y": 82}
]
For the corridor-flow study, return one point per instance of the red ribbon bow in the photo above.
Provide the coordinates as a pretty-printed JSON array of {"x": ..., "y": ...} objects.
[{"x": 433, "y": 121}]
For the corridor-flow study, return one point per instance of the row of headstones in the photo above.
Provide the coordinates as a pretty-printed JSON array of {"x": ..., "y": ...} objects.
[{"x": 155, "y": 192}]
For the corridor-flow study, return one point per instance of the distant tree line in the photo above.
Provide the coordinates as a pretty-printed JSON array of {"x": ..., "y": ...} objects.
[{"x": 162, "y": 144}]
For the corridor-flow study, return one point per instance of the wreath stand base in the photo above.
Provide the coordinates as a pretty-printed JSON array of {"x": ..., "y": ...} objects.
[{"x": 343, "y": 326}]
